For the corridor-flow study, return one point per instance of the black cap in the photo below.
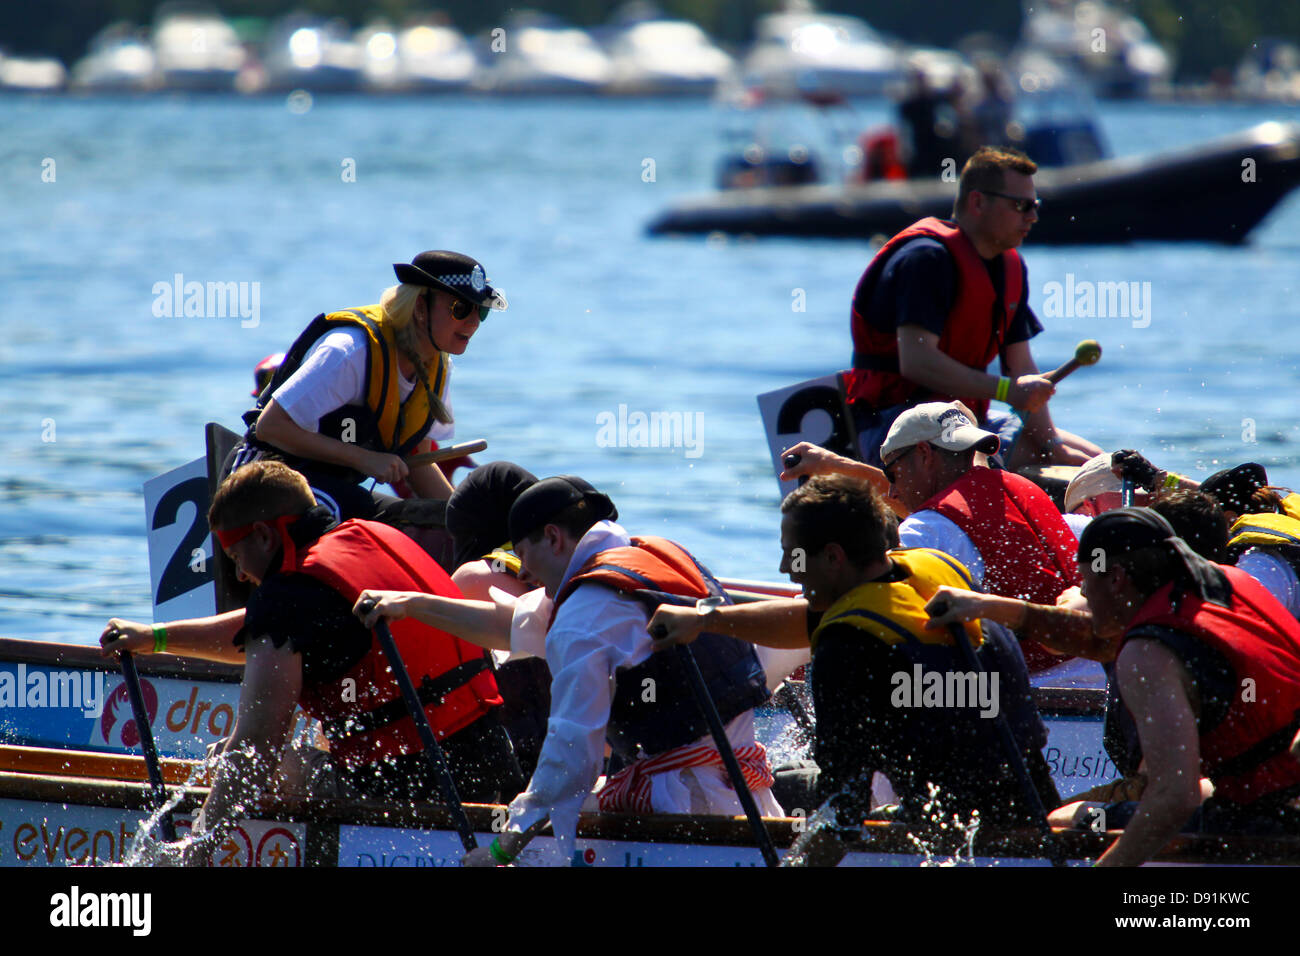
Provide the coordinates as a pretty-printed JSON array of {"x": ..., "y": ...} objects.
[
  {"x": 451, "y": 272},
  {"x": 549, "y": 497},
  {"x": 1126, "y": 531},
  {"x": 479, "y": 509},
  {"x": 1233, "y": 487}
]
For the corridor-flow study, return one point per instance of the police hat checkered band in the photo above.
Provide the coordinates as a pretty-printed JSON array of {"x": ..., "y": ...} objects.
[
  {"x": 941, "y": 424},
  {"x": 474, "y": 280}
]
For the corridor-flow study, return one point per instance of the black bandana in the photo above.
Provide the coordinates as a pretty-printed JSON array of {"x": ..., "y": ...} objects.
[
  {"x": 480, "y": 505},
  {"x": 1127, "y": 531}
]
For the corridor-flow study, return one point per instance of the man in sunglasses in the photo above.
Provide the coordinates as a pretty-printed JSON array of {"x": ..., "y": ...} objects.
[
  {"x": 362, "y": 389},
  {"x": 941, "y": 300},
  {"x": 1003, "y": 528}
]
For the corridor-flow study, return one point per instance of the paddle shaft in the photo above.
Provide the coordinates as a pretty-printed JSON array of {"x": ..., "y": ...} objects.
[
  {"x": 705, "y": 702},
  {"x": 437, "y": 759},
  {"x": 132, "y": 678},
  {"x": 446, "y": 454},
  {"x": 1035, "y": 802},
  {"x": 1127, "y": 492}
]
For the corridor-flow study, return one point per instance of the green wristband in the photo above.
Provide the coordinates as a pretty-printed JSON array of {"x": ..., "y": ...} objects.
[
  {"x": 1004, "y": 388},
  {"x": 500, "y": 855},
  {"x": 159, "y": 638},
  {"x": 1171, "y": 481}
]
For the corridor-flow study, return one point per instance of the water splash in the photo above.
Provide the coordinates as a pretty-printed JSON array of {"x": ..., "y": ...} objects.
[{"x": 945, "y": 830}]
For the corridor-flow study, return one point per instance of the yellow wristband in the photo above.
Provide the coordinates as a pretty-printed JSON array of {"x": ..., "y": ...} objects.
[
  {"x": 1004, "y": 387},
  {"x": 159, "y": 638},
  {"x": 1171, "y": 481}
]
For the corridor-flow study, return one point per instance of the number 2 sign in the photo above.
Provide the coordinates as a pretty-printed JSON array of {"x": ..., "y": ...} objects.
[{"x": 180, "y": 545}]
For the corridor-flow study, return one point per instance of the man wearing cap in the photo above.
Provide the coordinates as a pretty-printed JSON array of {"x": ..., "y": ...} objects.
[
  {"x": 607, "y": 686},
  {"x": 941, "y": 300},
  {"x": 1002, "y": 527},
  {"x": 361, "y": 389}
]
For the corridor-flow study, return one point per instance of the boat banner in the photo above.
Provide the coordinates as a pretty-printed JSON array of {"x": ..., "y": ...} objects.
[
  {"x": 49, "y": 707},
  {"x": 812, "y": 411},
  {"x": 180, "y": 545},
  {"x": 1076, "y": 756},
  {"x": 34, "y": 833}
]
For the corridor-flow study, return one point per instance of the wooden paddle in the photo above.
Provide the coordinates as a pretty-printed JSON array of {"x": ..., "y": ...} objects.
[
  {"x": 446, "y": 454},
  {"x": 1087, "y": 352},
  {"x": 142, "y": 724},
  {"x": 437, "y": 759},
  {"x": 701, "y": 691}
]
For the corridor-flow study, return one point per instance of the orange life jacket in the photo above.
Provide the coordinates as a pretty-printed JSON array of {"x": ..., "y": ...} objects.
[
  {"x": 363, "y": 713},
  {"x": 974, "y": 334}
]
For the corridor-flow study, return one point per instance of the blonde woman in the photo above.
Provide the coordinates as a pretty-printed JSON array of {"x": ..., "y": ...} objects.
[{"x": 360, "y": 389}]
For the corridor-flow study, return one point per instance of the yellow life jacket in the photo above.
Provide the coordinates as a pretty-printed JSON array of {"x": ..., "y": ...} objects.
[
  {"x": 509, "y": 561},
  {"x": 1266, "y": 530},
  {"x": 1291, "y": 505},
  {"x": 400, "y": 423},
  {"x": 894, "y": 611},
  {"x": 384, "y": 422}
]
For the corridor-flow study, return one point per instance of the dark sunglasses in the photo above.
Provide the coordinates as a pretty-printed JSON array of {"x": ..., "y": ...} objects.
[
  {"x": 461, "y": 309},
  {"x": 889, "y": 469},
  {"x": 1021, "y": 205}
]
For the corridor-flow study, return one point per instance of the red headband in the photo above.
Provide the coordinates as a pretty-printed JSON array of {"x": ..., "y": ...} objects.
[{"x": 232, "y": 536}]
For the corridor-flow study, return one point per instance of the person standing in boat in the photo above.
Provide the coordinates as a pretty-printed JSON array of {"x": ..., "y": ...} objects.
[
  {"x": 862, "y": 613},
  {"x": 940, "y": 301},
  {"x": 301, "y": 645},
  {"x": 607, "y": 685},
  {"x": 361, "y": 389}
]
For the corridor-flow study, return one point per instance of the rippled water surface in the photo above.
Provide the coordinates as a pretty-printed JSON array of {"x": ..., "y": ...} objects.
[{"x": 552, "y": 197}]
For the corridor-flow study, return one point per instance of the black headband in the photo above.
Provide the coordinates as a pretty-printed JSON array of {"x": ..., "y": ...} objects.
[{"x": 1127, "y": 531}]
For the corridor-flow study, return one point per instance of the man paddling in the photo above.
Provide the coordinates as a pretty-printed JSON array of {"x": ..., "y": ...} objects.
[
  {"x": 302, "y": 645},
  {"x": 862, "y": 615},
  {"x": 941, "y": 300},
  {"x": 1208, "y": 665},
  {"x": 607, "y": 685}
]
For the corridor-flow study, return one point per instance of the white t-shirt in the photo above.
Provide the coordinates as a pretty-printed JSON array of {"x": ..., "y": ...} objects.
[
  {"x": 929, "y": 529},
  {"x": 333, "y": 375}
]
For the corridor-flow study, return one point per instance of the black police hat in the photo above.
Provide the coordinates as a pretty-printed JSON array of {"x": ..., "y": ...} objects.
[
  {"x": 549, "y": 497},
  {"x": 1232, "y": 488},
  {"x": 451, "y": 272}
]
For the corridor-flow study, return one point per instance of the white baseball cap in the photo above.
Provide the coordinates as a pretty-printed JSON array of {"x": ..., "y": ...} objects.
[
  {"x": 942, "y": 424},
  {"x": 1093, "y": 478}
]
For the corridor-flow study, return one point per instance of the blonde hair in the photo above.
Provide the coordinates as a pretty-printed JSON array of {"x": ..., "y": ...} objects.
[
  {"x": 398, "y": 303},
  {"x": 261, "y": 491}
]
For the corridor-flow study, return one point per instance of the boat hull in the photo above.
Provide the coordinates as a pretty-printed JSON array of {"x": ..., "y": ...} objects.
[{"x": 1216, "y": 192}]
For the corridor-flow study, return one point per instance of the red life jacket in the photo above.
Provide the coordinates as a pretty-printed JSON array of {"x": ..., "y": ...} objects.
[
  {"x": 657, "y": 571},
  {"x": 974, "y": 334},
  {"x": 362, "y": 711},
  {"x": 1029, "y": 551},
  {"x": 1246, "y": 755}
]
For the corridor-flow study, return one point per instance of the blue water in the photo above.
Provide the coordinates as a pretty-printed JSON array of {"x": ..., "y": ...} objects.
[{"x": 550, "y": 196}]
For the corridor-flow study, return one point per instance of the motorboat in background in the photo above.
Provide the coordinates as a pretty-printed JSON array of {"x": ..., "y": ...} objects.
[
  {"x": 304, "y": 53},
  {"x": 118, "y": 60},
  {"x": 196, "y": 49},
  {"x": 656, "y": 56},
  {"x": 800, "y": 51},
  {"x": 425, "y": 57},
  {"x": 540, "y": 54},
  {"x": 31, "y": 74},
  {"x": 1112, "y": 50}
]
